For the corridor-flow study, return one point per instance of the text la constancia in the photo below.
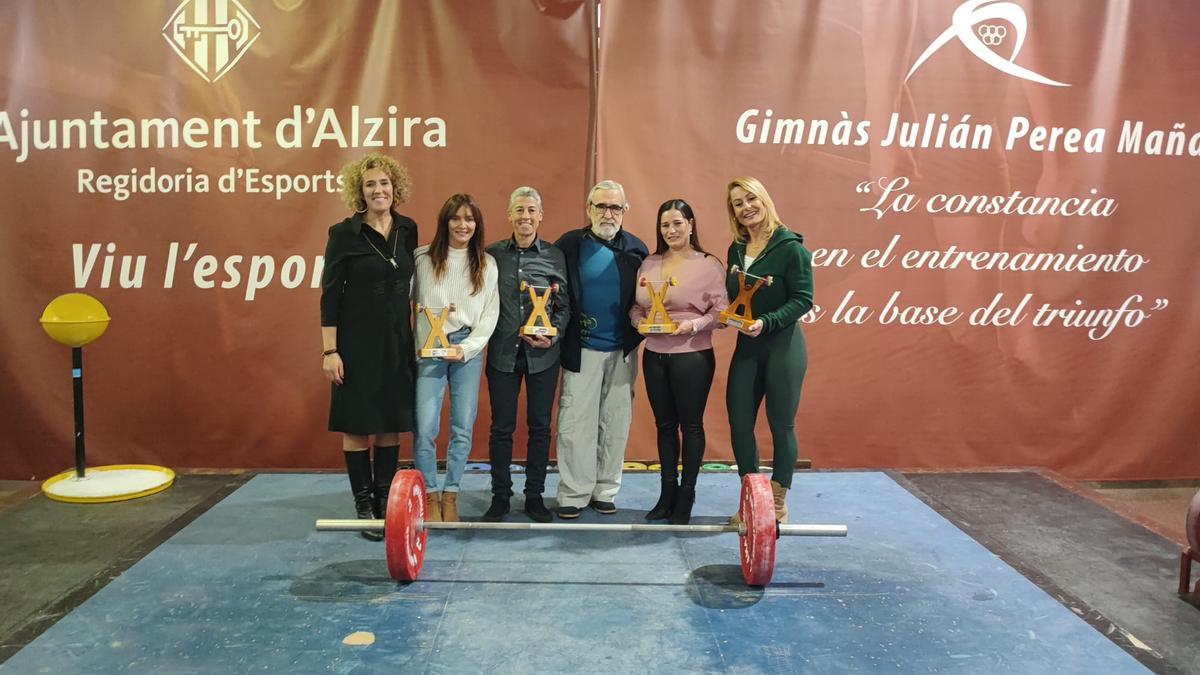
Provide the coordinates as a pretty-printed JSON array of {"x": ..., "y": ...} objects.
[
  {"x": 755, "y": 126},
  {"x": 304, "y": 128}
]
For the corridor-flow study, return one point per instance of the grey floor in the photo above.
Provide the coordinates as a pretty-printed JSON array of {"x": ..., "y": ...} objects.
[
  {"x": 1119, "y": 575},
  {"x": 56, "y": 555}
]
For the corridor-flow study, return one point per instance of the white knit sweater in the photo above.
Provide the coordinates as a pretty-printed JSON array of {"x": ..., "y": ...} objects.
[{"x": 478, "y": 311}]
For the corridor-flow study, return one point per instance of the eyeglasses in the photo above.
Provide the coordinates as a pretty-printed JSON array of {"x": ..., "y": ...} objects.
[{"x": 614, "y": 209}]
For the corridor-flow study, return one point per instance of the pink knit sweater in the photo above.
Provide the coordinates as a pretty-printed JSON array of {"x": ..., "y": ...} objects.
[{"x": 700, "y": 297}]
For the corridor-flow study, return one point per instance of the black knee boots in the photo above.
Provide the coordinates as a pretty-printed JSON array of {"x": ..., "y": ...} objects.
[
  {"x": 386, "y": 457},
  {"x": 358, "y": 468}
]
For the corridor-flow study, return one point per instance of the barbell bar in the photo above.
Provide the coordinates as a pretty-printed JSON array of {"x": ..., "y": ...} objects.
[
  {"x": 670, "y": 281},
  {"x": 406, "y": 532},
  {"x": 367, "y": 525},
  {"x": 769, "y": 279},
  {"x": 525, "y": 284}
]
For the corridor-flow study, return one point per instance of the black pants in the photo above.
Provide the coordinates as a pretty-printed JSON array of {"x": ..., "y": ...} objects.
[
  {"x": 504, "y": 389},
  {"x": 677, "y": 385}
]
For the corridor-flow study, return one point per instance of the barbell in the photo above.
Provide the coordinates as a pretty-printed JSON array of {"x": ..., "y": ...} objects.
[
  {"x": 406, "y": 532},
  {"x": 525, "y": 284},
  {"x": 769, "y": 279}
]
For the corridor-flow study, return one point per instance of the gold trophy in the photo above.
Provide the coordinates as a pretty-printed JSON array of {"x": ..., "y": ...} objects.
[
  {"x": 733, "y": 315},
  {"x": 657, "y": 321},
  {"x": 437, "y": 345},
  {"x": 539, "y": 320}
]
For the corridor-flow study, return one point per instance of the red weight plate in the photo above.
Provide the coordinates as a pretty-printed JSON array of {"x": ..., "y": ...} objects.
[
  {"x": 1193, "y": 523},
  {"x": 757, "y": 545},
  {"x": 404, "y": 530}
]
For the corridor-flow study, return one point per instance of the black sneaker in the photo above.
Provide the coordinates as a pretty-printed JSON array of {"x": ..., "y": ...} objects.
[
  {"x": 536, "y": 509},
  {"x": 568, "y": 512},
  {"x": 606, "y": 508},
  {"x": 496, "y": 511}
]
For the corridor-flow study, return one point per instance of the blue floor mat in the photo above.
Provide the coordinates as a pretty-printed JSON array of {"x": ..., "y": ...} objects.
[{"x": 250, "y": 586}]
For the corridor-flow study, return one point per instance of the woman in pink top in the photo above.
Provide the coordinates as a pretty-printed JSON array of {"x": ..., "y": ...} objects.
[{"x": 678, "y": 367}]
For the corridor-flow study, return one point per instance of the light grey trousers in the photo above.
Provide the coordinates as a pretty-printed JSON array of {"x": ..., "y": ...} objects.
[{"x": 594, "y": 412}]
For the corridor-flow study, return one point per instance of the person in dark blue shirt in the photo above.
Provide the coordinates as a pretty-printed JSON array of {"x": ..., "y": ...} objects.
[
  {"x": 599, "y": 354},
  {"x": 514, "y": 356}
]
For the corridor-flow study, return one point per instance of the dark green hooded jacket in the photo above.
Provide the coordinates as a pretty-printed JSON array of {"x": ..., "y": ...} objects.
[{"x": 790, "y": 295}]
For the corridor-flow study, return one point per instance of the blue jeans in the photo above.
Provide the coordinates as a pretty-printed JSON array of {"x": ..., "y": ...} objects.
[{"x": 432, "y": 377}]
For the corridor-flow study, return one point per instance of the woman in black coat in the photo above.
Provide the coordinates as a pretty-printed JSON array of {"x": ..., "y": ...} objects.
[{"x": 366, "y": 328}]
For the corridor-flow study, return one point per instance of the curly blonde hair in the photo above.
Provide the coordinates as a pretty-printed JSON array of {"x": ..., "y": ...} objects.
[{"x": 352, "y": 180}]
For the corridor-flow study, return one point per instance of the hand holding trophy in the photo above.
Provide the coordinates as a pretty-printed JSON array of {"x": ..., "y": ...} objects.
[
  {"x": 738, "y": 314},
  {"x": 437, "y": 345},
  {"x": 657, "y": 320},
  {"x": 539, "y": 320}
]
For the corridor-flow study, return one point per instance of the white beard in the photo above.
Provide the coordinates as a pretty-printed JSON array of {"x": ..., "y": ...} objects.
[{"x": 605, "y": 231}]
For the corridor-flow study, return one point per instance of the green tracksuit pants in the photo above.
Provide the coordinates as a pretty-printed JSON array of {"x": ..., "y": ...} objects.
[{"x": 771, "y": 367}]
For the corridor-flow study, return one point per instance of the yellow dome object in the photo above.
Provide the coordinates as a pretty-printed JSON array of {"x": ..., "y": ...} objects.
[{"x": 75, "y": 319}]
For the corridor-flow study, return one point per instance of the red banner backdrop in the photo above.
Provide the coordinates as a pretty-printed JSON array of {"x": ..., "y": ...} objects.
[
  {"x": 998, "y": 195},
  {"x": 178, "y": 161}
]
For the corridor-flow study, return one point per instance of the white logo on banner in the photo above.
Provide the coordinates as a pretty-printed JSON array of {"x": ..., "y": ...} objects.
[
  {"x": 973, "y": 11},
  {"x": 992, "y": 35},
  {"x": 211, "y": 35}
]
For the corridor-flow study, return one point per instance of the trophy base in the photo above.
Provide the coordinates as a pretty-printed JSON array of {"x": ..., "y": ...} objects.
[
  {"x": 548, "y": 331},
  {"x": 657, "y": 328},
  {"x": 739, "y": 322},
  {"x": 439, "y": 352}
]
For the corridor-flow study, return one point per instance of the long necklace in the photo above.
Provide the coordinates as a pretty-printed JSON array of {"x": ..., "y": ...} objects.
[{"x": 396, "y": 243}]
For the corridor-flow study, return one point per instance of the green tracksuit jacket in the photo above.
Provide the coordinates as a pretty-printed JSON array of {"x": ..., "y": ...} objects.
[{"x": 772, "y": 365}]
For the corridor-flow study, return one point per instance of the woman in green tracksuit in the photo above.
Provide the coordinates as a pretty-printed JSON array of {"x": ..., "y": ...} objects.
[{"x": 771, "y": 357}]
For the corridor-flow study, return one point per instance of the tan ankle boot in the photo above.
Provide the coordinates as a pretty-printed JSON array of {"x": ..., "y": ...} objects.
[
  {"x": 780, "y": 494},
  {"x": 433, "y": 507},
  {"x": 450, "y": 507}
]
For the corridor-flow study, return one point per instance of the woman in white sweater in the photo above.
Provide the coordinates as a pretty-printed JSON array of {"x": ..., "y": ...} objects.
[{"x": 454, "y": 270}]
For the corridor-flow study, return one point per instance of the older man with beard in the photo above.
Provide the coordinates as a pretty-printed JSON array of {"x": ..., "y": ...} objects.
[{"x": 599, "y": 356}]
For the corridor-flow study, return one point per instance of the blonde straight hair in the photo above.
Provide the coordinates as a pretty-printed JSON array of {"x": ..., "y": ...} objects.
[{"x": 754, "y": 187}]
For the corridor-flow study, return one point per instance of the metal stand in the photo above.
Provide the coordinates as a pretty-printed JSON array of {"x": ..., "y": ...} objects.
[{"x": 77, "y": 377}]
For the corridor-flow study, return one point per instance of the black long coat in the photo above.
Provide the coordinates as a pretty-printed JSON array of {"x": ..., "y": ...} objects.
[{"x": 367, "y": 298}]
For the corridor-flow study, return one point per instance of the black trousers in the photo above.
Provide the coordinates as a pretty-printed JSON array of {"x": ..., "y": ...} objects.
[
  {"x": 678, "y": 385},
  {"x": 504, "y": 389}
]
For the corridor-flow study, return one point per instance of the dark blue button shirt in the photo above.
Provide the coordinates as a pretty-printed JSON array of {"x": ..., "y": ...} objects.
[{"x": 542, "y": 264}]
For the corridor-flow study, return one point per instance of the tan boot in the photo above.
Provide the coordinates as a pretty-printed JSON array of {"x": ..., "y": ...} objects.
[
  {"x": 780, "y": 494},
  {"x": 433, "y": 507},
  {"x": 450, "y": 507}
]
